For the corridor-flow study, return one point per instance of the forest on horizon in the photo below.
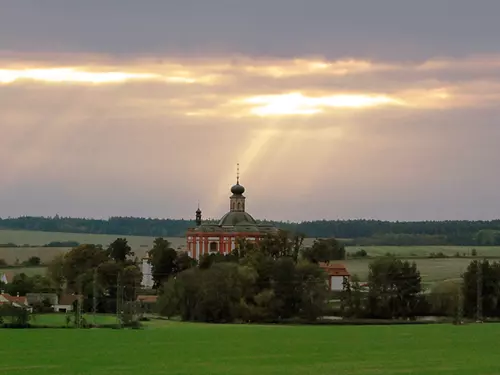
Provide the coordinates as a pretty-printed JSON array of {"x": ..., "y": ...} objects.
[{"x": 351, "y": 232}]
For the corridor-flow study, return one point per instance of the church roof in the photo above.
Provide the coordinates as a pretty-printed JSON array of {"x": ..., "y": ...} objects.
[
  {"x": 233, "y": 218},
  {"x": 236, "y": 220}
]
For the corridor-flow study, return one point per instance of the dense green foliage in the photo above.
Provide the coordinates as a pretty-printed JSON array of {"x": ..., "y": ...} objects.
[
  {"x": 89, "y": 270},
  {"x": 273, "y": 280},
  {"x": 360, "y": 232},
  {"x": 23, "y": 284},
  {"x": 489, "y": 285}
]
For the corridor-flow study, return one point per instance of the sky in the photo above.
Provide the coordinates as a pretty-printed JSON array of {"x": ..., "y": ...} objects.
[{"x": 377, "y": 109}]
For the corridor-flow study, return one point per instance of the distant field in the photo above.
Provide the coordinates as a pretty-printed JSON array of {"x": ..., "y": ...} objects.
[
  {"x": 36, "y": 238},
  {"x": 431, "y": 269},
  {"x": 191, "y": 349},
  {"x": 419, "y": 251}
]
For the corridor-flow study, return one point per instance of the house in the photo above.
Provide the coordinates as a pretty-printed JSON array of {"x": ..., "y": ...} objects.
[
  {"x": 147, "y": 302},
  {"x": 66, "y": 302},
  {"x": 337, "y": 274},
  {"x": 16, "y": 301},
  {"x": 34, "y": 298}
]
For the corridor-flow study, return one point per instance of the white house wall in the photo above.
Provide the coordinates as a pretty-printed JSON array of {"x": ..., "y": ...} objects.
[
  {"x": 147, "y": 274},
  {"x": 337, "y": 283}
]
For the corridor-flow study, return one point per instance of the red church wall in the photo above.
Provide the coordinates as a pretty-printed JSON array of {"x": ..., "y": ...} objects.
[{"x": 223, "y": 240}]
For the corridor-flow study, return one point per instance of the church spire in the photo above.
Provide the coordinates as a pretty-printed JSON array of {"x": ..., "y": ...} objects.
[
  {"x": 198, "y": 216},
  {"x": 237, "y": 200}
]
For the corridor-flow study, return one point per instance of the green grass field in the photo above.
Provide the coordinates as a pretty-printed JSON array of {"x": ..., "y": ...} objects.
[
  {"x": 59, "y": 319},
  {"x": 191, "y": 349}
]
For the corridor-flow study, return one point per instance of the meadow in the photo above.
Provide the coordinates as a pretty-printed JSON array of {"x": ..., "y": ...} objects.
[
  {"x": 185, "y": 348},
  {"x": 59, "y": 319}
]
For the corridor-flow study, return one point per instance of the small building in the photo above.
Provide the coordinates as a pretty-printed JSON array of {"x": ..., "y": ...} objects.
[
  {"x": 147, "y": 281},
  {"x": 147, "y": 302},
  {"x": 16, "y": 301},
  {"x": 33, "y": 298},
  {"x": 66, "y": 302},
  {"x": 222, "y": 237},
  {"x": 337, "y": 274}
]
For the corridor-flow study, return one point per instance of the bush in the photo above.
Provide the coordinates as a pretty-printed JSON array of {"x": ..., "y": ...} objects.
[
  {"x": 62, "y": 244},
  {"x": 33, "y": 261},
  {"x": 439, "y": 255},
  {"x": 361, "y": 253}
]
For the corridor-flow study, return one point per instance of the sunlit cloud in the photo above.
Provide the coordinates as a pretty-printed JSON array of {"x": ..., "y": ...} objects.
[
  {"x": 298, "y": 104},
  {"x": 79, "y": 76},
  {"x": 62, "y": 75},
  {"x": 342, "y": 115}
]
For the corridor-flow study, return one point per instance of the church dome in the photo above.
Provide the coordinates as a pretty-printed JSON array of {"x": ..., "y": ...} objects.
[
  {"x": 233, "y": 218},
  {"x": 237, "y": 189}
]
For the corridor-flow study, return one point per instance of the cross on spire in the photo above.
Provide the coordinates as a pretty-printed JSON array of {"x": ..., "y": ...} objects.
[{"x": 237, "y": 173}]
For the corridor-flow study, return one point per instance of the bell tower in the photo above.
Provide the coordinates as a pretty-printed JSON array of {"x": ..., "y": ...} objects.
[
  {"x": 198, "y": 216},
  {"x": 237, "y": 200}
]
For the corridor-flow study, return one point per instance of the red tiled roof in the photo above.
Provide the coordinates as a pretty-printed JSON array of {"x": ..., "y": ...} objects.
[
  {"x": 334, "y": 269},
  {"x": 15, "y": 299},
  {"x": 68, "y": 299},
  {"x": 147, "y": 298}
]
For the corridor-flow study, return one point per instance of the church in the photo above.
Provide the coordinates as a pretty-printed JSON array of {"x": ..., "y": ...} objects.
[{"x": 222, "y": 237}]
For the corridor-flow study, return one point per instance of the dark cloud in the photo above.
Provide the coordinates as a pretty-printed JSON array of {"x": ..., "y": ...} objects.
[{"x": 335, "y": 28}]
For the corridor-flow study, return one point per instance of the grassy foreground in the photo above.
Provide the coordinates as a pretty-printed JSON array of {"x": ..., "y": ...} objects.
[{"x": 177, "y": 348}]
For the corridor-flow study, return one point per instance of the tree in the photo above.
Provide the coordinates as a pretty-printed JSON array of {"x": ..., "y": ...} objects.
[
  {"x": 489, "y": 284},
  {"x": 184, "y": 262},
  {"x": 163, "y": 261},
  {"x": 282, "y": 244},
  {"x": 324, "y": 250},
  {"x": 394, "y": 288},
  {"x": 21, "y": 284},
  {"x": 79, "y": 263},
  {"x": 443, "y": 297},
  {"x": 119, "y": 250},
  {"x": 33, "y": 261},
  {"x": 55, "y": 272},
  {"x": 313, "y": 291}
]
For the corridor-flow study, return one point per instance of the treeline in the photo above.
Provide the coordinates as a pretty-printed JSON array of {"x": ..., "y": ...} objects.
[
  {"x": 354, "y": 232},
  {"x": 50, "y": 244}
]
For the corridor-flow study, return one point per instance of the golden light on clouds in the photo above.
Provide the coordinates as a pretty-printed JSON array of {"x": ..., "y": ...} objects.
[
  {"x": 236, "y": 87},
  {"x": 270, "y": 115},
  {"x": 298, "y": 104},
  {"x": 70, "y": 75}
]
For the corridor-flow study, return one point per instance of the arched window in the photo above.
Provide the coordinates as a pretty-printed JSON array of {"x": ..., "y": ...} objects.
[
  {"x": 239, "y": 206},
  {"x": 213, "y": 247}
]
